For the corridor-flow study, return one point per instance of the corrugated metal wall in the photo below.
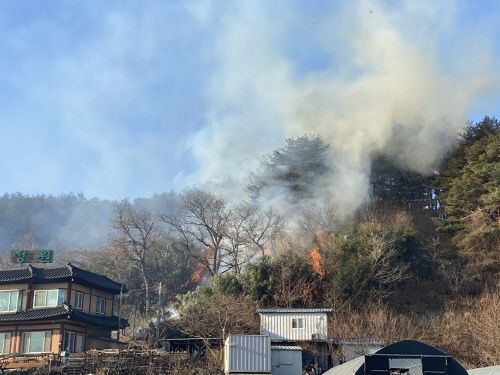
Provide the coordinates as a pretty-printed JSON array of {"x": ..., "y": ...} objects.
[
  {"x": 279, "y": 326},
  {"x": 247, "y": 354}
]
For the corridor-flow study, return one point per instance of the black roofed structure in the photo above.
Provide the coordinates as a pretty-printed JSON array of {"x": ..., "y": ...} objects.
[
  {"x": 406, "y": 357},
  {"x": 49, "y": 310}
]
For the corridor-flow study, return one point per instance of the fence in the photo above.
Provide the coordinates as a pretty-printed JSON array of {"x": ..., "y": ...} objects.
[{"x": 114, "y": 362}]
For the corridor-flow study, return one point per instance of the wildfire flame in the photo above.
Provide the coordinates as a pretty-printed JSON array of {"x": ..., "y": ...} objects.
[
  {"x": 315, "y": 261},
  {"x": 198, "y": 273}
]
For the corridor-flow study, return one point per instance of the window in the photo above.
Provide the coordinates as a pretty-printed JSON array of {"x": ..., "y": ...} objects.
[
  {"x": 9, "y": 300},
  {"x": 297, "y": 323},
  {"x": 5, "y": 342},
  {"x": 100, "y": 306},
  {"x": 69, "y": 341},
  {"x": 37, "y": 342},
  {"x": 73, "y": 342},
  {"x": 79, "y": 300},
  {"x": 47, "y": 298}
]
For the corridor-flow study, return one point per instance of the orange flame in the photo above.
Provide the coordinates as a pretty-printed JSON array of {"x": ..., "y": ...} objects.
[
  {"x": 198, "y": 273},
  {"x": 315, "y": 260}
]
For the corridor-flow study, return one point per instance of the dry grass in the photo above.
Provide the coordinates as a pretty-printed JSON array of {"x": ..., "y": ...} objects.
[
  {"x": 376, "y": 322},
  {"x": 470, "y": 330}
]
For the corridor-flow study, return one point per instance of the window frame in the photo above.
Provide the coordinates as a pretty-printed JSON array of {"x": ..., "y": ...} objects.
[
  {"x": 2, "y": 348},
  {"x": 23, "y": 342},
  {"x": 297, "y": 321},
  {"x": 18, "y": 302},
  {"x": 59, "y": 300},
  {"x": 79, "y": 306},
  {"x": 97, "y": 305},
  {"x": 72, "y": 348}
]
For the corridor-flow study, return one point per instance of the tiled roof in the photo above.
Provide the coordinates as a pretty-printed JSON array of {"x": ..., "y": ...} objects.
[
  {"x": 15, "y": 275},
  {"x": 35, "y": 274},
  {"x": 104, "y": 321},
  {"x": 62, "y": 312},
  {"x": 276, "y": 310},
  {"x": 36, "y": 314}
]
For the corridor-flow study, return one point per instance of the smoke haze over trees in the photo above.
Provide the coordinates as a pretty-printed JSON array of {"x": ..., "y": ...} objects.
[
  {"x": 64, "y": 222},
  {"x": 421, "y": 246}
]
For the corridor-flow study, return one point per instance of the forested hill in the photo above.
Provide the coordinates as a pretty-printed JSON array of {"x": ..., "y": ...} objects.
[{"x": 62, "y": 222}]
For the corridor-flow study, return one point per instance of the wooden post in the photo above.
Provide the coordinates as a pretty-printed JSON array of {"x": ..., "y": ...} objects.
[
  {"x": 119, "y": 313},
  {"x": 158, "y": 314}
]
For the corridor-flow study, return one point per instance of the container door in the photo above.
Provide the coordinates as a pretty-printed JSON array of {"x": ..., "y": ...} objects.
[{"x": 283, "y": 363}]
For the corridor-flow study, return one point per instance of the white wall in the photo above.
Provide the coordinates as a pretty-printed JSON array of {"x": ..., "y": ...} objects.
[{"x": 279, "y": 326}]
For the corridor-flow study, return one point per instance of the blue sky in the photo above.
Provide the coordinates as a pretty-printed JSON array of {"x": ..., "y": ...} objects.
[{"x": 127, "y": 98}]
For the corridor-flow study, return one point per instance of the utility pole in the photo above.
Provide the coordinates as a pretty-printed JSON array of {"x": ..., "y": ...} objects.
[
  {"x": 119, "y": 313},
  {"x": 158, "y": 314}
]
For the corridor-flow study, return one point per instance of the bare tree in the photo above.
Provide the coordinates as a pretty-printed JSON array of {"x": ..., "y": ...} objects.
[
  {"x": 261, "y": 228},
  {"x": 221, "y": 236},
  {"x": 199, "y": 226},
  {"x": 216, "y": 316},
  {"x": 138, "y": 232},
  {"x": 249, "y": 234}
]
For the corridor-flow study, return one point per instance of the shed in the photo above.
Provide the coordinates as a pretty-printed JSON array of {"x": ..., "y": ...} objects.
[
  {"x": 289, "y": 324},
  {"x": 286, "y": 360},
  {"x": 247, "y": 354},
  {"x": 409, "y": 357}
]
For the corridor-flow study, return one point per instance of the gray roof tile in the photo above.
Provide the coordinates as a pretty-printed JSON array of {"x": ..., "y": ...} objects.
[
  {"x": 61, "y": 312},
  {"x": 35, "y": 274}
]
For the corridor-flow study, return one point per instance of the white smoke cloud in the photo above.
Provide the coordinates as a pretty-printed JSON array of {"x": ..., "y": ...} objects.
[{"x": 398, "y": 80}]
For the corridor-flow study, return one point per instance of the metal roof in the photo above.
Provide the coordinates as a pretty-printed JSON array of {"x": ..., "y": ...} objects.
[
  {"x": 348, "y": 368},
  {"x": 286, "y": 347},
  {"x": 35, "y": 274},
  {"x": 278, "y": 310},
  {"x": 493, "y": 370}
]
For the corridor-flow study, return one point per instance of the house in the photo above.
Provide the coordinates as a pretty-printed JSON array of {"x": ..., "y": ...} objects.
[
  {"x": 306, "y": 328},
  {"x": 288, "y": 324},
  {"x": 49, "y": 310}
]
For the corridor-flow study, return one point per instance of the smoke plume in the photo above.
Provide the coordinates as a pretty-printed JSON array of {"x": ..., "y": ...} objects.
[{"x": 368, "y": 77}]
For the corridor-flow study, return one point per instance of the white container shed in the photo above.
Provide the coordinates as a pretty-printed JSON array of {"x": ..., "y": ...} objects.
[
  {"x": 289, "y": 324},
  {"x": 247, "y": 355},
  {"x": 286, "y": 360}
]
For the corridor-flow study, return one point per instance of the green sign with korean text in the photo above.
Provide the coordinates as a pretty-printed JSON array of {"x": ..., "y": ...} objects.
[{"x": 31, "y": 256}]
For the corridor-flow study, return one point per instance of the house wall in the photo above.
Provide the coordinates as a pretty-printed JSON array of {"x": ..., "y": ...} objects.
[
  {"x": 24, "y": 292},
  {"x": 47, "y": 286},
  {"x": 14, "y": 286},
  {"x": 279, "y": 326},
  {"x": 93, "y": 337},
  {"x": 17, "y": 334},
  {"x": 90, "y": 298}
]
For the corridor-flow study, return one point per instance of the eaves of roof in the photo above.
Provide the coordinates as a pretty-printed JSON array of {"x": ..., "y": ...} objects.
[
  {"x": 286, "y": 347},
  {"x": 62, "y": 312},
  {"x": 276, "y": 310},
  {"x": 70, "y": 272}
]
